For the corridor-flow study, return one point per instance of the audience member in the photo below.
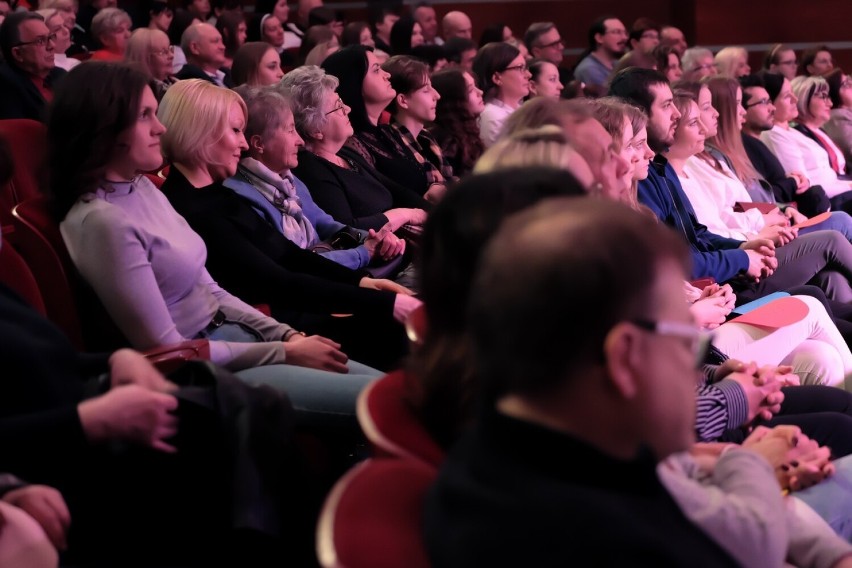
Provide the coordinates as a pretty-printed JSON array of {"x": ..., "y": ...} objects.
[
  {"x": 149, "y": 49},
  {"x": 28, "y": 72},
  {"x": 644, "y": 36},
  {"x": 607, "y": 43},
  {"x": 782, "y": 60},
  {"x": 382, "y": 20},
  {"x": 281, "y": 11},
  {"x": 181, "y": 21},
  {"x": 544, "y": 79},
  {"x": 160, "y": 15},
  {"x": 231, "y": 25},
  {"x": 205, "y": 55},
  {"x": 457, "y": 24},
  {"x": 504, "y": 80},
  {"x": 732, "y": 61},
  {"x": 407, "y": 33},
  {"x": 320, "y": 52},
  {"x": 324, "y": 16},
  {"x": 199, "y": 8},
  {"x": 111, "y": 29},
  {"x": 456, "y": 124},
  {"x": 344, "y": 184},
  {"x": 668, "y": 63},
  {"x": 433, "y": 56},
  {"x": 256, "y": 64},
  {"x": 816, "y": 61},
  {"x": 671, "y": 36},
  {"x": 460, "y": 53},
  {"x": 303, "y": 11},
  {"x": 839, "y": 126},
  {"x": 424, "y": 14},
  {"x": 697, "y": 63},
  {"x": 315, "y": 36},
  {"x": 357, "y": 33}
]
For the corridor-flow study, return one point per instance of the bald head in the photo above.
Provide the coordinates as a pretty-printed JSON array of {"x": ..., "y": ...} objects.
[
  {"x": 457, "y": 24},
  {"x": 202, "y": 44}
]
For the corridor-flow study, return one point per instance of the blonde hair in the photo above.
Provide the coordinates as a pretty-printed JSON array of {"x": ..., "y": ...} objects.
[
  {"x": 196, "y": 114},
  {"x": 805, "y": 88},
  {"x": 139, "y": 47},
  {"x": 48, "y": 14},
  {"x": 726, "y": 60},
  {"x": 544, "y": 146},
  {"x": 60, "y": 5}
]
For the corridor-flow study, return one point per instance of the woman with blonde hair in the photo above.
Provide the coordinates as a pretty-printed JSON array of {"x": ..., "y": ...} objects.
[
  {"x": 732, "y": 61},
  {"x": 150, "y": 50}
]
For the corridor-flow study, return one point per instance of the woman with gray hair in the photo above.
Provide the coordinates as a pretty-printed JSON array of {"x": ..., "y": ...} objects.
[
  {"x": 111, "y": 27},
  {"x": 804, "y": 147},
  {"x": 349, "y": 189},
  {"x": 697, "y": 63},
  {"x": 150, "y": 50}
]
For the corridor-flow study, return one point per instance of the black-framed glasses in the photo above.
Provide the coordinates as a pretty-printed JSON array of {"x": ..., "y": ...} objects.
[
  {"x": 521, "y": 67},
  {"x": 40, "y": 41},
  {"x": 765, "y": 101},
  {"x": 559, "y": 42},
  {"x": 338, "y": 107},
  {"x": 699, "y": 341}
]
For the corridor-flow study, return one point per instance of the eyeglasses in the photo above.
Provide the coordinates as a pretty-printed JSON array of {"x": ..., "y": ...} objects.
[
  {"x": 339, "y": 106},
  {"x": 165, "y": 51},
  {"x": 40, "y": 41},
  {"x": 650, "y": 35},
  {"x": 522, "y": 67},
  {"x": 557, "y": 43},
  {"x": 699, "y": 341},
  {"x": 765, "y": 101}
]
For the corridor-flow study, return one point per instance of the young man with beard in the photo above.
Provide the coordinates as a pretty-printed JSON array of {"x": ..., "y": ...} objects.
[
  {"x": 754, "y": 268},
  {"x": 760, "y": 114},
  {"x": 607, "y": 43}
]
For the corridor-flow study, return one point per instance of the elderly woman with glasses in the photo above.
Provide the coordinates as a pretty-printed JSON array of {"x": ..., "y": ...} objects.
[
  {"x": 505, "y": 81},
  {"x": 804, "y": 147},
  {"x": 150, "y": 50},
  {"x": 346, "y": 186}
]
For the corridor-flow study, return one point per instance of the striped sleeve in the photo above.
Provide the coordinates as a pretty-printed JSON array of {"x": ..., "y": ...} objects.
[{"x": 720, "y": 407}]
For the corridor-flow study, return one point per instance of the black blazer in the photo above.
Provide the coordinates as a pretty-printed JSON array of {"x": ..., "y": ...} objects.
[
  {"x": 190, "y": 71},
  {"x": 19, "y": 97}
]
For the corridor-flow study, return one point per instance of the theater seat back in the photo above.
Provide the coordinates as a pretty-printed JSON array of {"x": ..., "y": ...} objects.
[{"x": 26, "y": 140}]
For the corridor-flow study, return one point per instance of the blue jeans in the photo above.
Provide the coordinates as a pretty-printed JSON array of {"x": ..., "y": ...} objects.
[
  {"x": 316, "y": 395},
  {"x": 832, "y": 498},
  {"x": 839, "y": 221}
]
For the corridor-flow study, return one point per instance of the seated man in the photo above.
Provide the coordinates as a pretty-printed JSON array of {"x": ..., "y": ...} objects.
[
  {"x": 205, "y": 55},
  {"x": 543, "y": 41},
  {"x": 28, "y": 72},
  {"x": 607, "y": 43},
  {"x": 563, "y": 460},
  {"x": 456, "y": 24}
]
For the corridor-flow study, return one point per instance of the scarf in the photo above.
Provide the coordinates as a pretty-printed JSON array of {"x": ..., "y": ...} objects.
[
  {"x": 280, "y": 191},
  {"x": 427, "y": 152}
]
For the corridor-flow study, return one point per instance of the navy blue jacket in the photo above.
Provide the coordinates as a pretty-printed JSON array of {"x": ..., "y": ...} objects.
[{"x": 712, "y": 255}]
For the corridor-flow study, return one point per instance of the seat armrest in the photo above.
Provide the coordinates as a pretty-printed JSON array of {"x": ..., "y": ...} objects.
[{"x": 168, "y": 358}]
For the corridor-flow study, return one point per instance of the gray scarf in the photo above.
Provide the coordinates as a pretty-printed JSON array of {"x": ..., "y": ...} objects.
[{"x": 280, "y": 191}]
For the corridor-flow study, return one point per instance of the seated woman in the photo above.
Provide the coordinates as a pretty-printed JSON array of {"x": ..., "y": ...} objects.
[
  {"x": 456, "y": 125},
  {"x": 141, "y": 258},
  {"x": 725, "y": 173},
  {"x": 280, "y": 10},
  {"x": 502, "y": 75},
  {"x": 314, "y": 37},
  {"x": 544, "y": 79},
  {"x": 366, "y": 89},
  {"x": 111, "y": 27},
  {"x": 231, "y": 24},
  {"x": 668, "y": 62},
  {"x": 839, "y": 126},
  {"x": 796, "y": 151},
  {"x": 732, "y": 61},
  {"x": 413, "y": 107},
  {"x": 343, "y": 185},
  {"x": 272, "y": 32},
  {"x": 256, "y": 64},
  {"x": 781, "y": 60},
  {"x": 357, "y": 33},
  {"x": 151, "y": 51},
  {"x": 264, "y": 179},
  {"x": 406, "y": 34}
]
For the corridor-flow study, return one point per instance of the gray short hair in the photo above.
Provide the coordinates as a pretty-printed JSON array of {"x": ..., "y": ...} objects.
[
  {"x": 305, "y": 87},
  {"x": 265, "y": 108},
  {"x": 691, "y": 56},
  {"x": 535, "y": 31},
  {"x": 805, "y": 89},
  {"x": 108, "y": 20}
]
